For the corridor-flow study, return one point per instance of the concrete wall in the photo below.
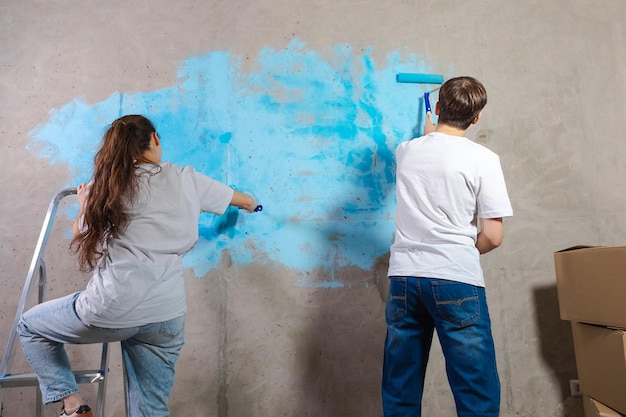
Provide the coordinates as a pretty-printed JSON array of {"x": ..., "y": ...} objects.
[{"x": 296, "y": 102}]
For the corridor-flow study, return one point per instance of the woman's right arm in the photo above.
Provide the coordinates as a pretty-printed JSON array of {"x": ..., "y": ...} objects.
[{"x": 243, "y": 201}]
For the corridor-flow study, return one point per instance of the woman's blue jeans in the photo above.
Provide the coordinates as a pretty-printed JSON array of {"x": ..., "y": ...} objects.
[
  {"x": 149, "y": 353},
  {"x": 416, "y": 307}
]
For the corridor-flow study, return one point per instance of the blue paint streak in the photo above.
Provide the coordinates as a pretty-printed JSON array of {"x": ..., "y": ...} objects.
[{"x": 310, "y": 135}]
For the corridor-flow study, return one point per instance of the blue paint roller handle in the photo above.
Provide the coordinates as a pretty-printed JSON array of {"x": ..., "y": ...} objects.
[
  {"x": 427, "y": 101},
  {"x": 404, "y": 77}
]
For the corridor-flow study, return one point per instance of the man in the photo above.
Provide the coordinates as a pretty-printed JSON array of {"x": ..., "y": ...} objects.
[{"x": 451, "y": 198}]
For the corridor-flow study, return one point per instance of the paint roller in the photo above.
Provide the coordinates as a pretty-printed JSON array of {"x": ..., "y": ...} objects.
[{"x": 404, "y": 77}]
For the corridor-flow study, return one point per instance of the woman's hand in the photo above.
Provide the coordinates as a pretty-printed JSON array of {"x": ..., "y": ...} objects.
[{"x": 81, "y": 192}]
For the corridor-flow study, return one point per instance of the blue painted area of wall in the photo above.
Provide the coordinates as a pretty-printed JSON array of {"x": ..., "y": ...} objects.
[{"x": 310, "y": 135}]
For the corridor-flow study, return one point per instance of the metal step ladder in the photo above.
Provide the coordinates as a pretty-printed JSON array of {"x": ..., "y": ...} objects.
[{"x": 38, "y": 270}]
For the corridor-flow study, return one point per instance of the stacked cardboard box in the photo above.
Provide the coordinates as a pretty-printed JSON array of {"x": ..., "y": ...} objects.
[
  {"x": 591, "y": 284},
  {"x": 594, "y": 408}
]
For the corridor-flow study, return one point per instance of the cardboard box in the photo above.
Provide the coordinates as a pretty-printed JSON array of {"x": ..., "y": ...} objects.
[
  {"x": 595, "y": 408},
  {"x": 591, "y": 284},
  {"x": 601, "y": 363}
]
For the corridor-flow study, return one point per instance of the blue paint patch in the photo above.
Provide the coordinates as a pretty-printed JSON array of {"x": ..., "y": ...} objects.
[{"x": 310, "y": 135}]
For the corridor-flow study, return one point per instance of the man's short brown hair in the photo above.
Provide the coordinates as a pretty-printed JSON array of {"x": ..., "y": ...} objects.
[{"x": 461, "y": 100}]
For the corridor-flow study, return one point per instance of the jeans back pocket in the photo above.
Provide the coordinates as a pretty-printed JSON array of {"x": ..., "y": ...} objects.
[
  {"x": 396, "y": 301},
  {"x": 172, "y": 328},
  {"x": 457, "y": 303}
]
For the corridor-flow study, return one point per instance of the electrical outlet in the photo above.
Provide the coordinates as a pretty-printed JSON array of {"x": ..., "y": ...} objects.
[{"x": 574, "y": 388}]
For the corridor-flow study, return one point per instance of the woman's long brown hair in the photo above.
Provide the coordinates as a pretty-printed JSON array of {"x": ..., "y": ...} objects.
[{"x": 113, "y": 188}]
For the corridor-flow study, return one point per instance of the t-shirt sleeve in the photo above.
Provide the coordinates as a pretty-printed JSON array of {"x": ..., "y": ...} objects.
[
  {"x": 493, "y": 199},
  {"x": 214, "y": 196}
]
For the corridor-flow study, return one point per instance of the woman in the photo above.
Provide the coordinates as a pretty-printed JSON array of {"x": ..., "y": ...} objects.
[{"x": 137, "y": 218}]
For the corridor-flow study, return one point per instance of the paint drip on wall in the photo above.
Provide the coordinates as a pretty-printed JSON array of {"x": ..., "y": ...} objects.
[{"x": 310, "y": 135}]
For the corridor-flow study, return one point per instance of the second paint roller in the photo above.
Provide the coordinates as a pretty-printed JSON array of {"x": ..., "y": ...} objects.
[{"x": 404, "y": 77}]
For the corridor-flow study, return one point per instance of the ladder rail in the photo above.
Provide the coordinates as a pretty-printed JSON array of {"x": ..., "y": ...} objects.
[
  {"x": 34, "y": 266},
  {"x": 38, "y": 265},
  {"x": 102, "y": 386}
]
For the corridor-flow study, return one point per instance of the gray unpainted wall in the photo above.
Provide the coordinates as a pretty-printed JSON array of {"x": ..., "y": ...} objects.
[{"x": 258, "y": 345}]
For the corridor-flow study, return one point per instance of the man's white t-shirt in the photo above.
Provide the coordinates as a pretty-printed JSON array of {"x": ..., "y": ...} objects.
[
  {"x": 140, "y": 278},
  {"x": 444, "y": 184}
]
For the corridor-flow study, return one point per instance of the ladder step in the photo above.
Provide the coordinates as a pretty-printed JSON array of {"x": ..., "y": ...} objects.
[{"x": 91, "y": 376}]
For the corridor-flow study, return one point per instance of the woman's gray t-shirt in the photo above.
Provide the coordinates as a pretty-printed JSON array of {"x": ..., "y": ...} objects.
[{"x": 140, "y": 278}]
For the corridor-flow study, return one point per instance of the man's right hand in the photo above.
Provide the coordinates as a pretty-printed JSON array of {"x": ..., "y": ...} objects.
[{"x": 430, "y": 126}]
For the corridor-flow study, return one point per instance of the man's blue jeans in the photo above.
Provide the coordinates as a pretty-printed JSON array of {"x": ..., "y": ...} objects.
[
  {"x": 416, "y": 307},
  {"x": 149, "y": 353}
]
